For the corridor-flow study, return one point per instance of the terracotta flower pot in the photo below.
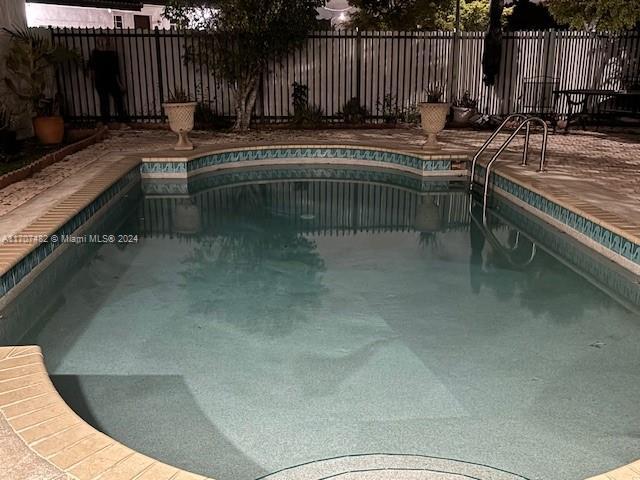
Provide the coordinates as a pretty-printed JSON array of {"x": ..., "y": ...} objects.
[
  {"x": 49, "y": 130},
  {"x": 181, "y": 122},
  {"x": 433, "y": 117}
]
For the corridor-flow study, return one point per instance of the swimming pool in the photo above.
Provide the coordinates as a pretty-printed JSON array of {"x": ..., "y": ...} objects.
[{"x": 248, "y": 327}]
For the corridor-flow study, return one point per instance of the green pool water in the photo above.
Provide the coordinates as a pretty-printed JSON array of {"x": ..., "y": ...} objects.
[{"x": 256, "y": 327}]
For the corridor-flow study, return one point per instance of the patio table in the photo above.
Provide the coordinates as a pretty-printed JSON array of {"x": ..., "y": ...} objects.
[{"x": 579, "y": 97}]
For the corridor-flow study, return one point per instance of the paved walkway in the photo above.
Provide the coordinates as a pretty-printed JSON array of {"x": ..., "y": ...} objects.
[{"x": 601, "y": 169}]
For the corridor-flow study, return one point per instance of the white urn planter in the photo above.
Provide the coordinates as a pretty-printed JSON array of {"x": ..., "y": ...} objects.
[
  {"x": 433, "y": 117},
  {"x": 181, "y": 122}
]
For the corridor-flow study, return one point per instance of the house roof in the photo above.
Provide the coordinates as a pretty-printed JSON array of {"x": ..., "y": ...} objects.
[{"x": 117, "y": 4}]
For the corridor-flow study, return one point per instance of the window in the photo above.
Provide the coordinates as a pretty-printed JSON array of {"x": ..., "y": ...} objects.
[
  {"x": 117, "y": 21},
  {"x": 142, "y": 21}
]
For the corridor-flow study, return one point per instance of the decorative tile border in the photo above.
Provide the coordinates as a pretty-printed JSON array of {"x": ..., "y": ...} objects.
[
  {"x": 187, "y": 166},
  {"x": 612, "y": 242},
  {"x": 219, "y": 179},
  {"x": 614, "y": 281}
]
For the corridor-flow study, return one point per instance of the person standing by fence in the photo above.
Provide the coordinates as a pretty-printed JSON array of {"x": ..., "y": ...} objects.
[{"x": 105, "y": 72}]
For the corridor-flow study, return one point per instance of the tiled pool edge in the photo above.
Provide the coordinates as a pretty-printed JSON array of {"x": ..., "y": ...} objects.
[
  {"x": 619, "y": 246},
  {"x": 57, "y": 440},
  {"x": 18, "y": 258},
  {"x": 173, "y": 166}
]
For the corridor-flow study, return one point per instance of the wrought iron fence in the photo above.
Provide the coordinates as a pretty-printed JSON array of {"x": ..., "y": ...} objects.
[{"x": 386, "y": 71}]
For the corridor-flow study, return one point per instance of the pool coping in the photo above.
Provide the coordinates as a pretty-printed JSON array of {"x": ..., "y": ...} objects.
[
  {"x": 53, "y": 440},
  {"x": 11, "y": 253}
]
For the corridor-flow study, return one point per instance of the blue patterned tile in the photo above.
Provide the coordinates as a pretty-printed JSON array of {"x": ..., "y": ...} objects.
[
  {"x": 292, "y": 153},
  {"x": 595, "y": 232}
]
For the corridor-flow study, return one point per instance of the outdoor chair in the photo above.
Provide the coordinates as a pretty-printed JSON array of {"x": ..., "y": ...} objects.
[{"x": 538, "y": 98}]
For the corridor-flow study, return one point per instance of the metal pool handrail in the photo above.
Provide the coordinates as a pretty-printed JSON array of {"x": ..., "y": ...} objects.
[
  {"x": 506, "y": 143},
  {"x": 488, "y": 142}
]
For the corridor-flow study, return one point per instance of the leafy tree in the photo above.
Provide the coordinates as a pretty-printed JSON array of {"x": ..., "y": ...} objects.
[
  {"x": 527, "y": 15},
  {"x": 400, "y": 14},
  {"x": 420, "y": 14},
  {"x": 246, "y": 35},
  {"x": 615, "y": 15},
  {"x": 474, "y": 16}
]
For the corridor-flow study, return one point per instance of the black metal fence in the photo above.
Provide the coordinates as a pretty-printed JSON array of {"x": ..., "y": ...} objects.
[{"x": 382, "y": 69}]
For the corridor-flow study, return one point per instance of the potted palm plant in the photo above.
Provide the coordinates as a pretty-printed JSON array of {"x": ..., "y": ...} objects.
[
  {"x": 31, "y": 63},
  {"x": 464, "y": 108},
  {"x": 180, "y": 111},
  {"x": 433, "y": 114}
]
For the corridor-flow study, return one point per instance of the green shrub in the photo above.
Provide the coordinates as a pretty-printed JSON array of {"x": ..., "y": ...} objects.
[
  {"x": 390, "y": 111},
  {"x": 353, "y": 113},
  {"x": 303, "y": 113},
  {"x": 207, "y": 119}
]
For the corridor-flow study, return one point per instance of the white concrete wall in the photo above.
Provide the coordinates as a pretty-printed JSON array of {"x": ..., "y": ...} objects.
[
  {"x": 44, "y": 15},
  {"x": 12, "y": 15}
]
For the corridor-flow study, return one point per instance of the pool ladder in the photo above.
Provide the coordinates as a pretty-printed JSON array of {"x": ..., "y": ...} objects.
[{"x": 525, "y": 122}]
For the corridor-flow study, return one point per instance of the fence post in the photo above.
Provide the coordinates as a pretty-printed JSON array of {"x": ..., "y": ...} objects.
[
  {"x": 549, "y": 45},
  {"x": 159, "y": 63},
  {"x": 59, "y": 82},
  {"x": 454, "y": 56},
  {"x": 358, "y": 63},
  {"x": 453, "y": 90}
]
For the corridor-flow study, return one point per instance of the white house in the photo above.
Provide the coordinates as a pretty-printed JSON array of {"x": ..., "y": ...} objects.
[
  {"x": 96, "y": 13},
  {"x": 132, "y": 13}
]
